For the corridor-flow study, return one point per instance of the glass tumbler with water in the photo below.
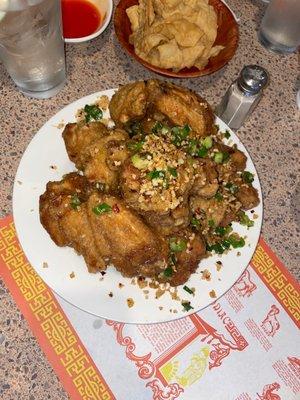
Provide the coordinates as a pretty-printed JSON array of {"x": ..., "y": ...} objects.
[
  {"x": 280, "y": 27},
  {"x": 32, "y": 46}
]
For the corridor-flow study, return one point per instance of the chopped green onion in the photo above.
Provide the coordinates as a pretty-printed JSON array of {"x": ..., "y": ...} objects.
[
  {"x": 236, "y": 241},
  {"x": 179, "y": 134},
  {"x": 192, "y": 147},
  {"x": 247, "y": 177},
  {"x": 223, "y": 230},
  {"x": 245, "y": 220},
  {"x": 218, "y": 196},
  {"x": 156, "y": 174},
  {"x": 134, "y": 128},
  {"x": 168, "y": 272},
  {"x": 211, "y": 222},
  {"x": 92, "y": 112},
  {"x": 218, "y": 157},
  {"x": 187, "y": 305},
  {"x": 207, "y": 142},
  {"x": 102, "y": 208},
  {"x": 187, "y": 289},
  {"x": 157, "y": 127},
  {"x": 173, "y": 172},
  {"x": 195, "y": 222},
  {"x": 177, "y": 245},
  {"x": 227, "y": 134},
  {"x": 75, "y": 202},
  {"x": 217, "y": 247},
  {"x": 172, "y": 259},
  {"x": 135, "y": 146},
  {"x": 139, "y": 162},
  {"x": 202, "y": 152},
  {"x": 226, "y": 244},
  {"x": 226, "y": 156},
  {"x": 232, "y": 187}
]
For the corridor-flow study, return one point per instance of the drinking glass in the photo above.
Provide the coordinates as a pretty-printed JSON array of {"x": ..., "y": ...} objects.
[
  {"x": 32, "y": 46},
  {"x": 280, "y": 27}
]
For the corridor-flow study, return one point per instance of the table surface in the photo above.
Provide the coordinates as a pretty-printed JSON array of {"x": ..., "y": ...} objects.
[{"x": 271, "y": 136}]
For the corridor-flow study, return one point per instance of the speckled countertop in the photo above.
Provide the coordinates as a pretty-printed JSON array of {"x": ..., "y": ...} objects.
[{"x": 271, "y": 136}]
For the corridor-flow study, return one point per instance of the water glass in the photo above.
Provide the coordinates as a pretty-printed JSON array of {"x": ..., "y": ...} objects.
[
  {"x": 280, "y": 27},
  {"x": 32, "y": 46}
]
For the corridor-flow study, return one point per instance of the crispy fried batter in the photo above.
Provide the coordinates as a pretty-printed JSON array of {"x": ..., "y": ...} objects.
[
  {"x": 67, "y": 223},
  {"x": 134, "y": 248},
  {"x": 97, "y": 151},
  {"x": 128, "y": 103},
  {"x": 181, "y": 106}
]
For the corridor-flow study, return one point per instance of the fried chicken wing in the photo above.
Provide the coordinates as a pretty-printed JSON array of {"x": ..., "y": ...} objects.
[
  {"x": 79, "y": 136},
  {"x": 181, "y": 106},
  {"x": 128, "y": 103},
  {"x": 134, "y": 248},
  {"x": 63, "y": 215},
  {"x": 97, "y": 151}
]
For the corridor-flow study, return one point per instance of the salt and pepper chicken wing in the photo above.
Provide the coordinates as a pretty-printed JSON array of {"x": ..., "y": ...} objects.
[
  {"x": 97, "y": 151},
  {"x": 159, "y": 191},
  {"x": 63, "y": 215},
  {"x": 180, "y": 106}
]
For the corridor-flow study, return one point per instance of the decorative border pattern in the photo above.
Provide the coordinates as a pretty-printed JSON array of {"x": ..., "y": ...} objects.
[
  {"x": 278, "y": 280},
  {"x": 56, "y": 336}
]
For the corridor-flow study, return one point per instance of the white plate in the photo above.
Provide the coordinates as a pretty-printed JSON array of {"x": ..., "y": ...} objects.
[{"x": 85, "y": 290}]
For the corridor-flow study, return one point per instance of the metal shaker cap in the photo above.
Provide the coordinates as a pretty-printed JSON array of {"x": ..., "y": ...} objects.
[{"x": 252, "y": 79}]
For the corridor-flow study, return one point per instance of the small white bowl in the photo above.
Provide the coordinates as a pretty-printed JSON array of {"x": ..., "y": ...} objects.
[{"x": 105, "y": 7}]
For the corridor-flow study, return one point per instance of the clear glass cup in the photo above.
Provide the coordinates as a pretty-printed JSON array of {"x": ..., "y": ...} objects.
[
  {"x": 280, "y": 26},
  {"x": 32, "y": 45}
]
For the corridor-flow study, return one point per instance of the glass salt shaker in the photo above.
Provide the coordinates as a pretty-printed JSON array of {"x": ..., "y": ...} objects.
[{"x": 242, "y": 96}]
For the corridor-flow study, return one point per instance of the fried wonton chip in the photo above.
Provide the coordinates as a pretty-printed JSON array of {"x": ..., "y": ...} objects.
[{"x": 174, "y": 33}]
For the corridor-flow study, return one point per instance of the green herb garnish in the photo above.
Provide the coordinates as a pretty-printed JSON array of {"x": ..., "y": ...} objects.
[
  {"x": 92, "y": 112},
  {"x": 173, "y": 172},
  {"x": 207, "y": 142},
  {"x": 187, "y": 305},
  {"x": 247, "y": 177},
  {"x": 177, "y": 245},
  {"x": 245, "y": 220},
  {"x": 195, "y": 222},
  {"x": 157, "y": 127},
  {"x": 187, "y": 289},
  {"x": 101, "y": 209},
  {"x": 232, "y": 187},
  {"x": 168, "y": 272},
  {"x": 202, "y": 152},
  {"x": 223, "y": 230},
  {"x": 156, "y": 174},
  {"x": 139, "y": 162},
  {"x": 236, "y": 241},
  {"x": 135, "y": 146},
  {"x": 75, "y": 202},
  {"x": 134, "y": 128},
  {"x": 218, "y": 196},
  {"x": 211, "y": 223},
  {"x": 227, "y": 134},
  {"x": 180, "y": 134},
  {"x": 218, "y": 157}
]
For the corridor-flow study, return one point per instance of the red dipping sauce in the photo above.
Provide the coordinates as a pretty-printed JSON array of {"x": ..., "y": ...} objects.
[{"x": 80, "y": 18}]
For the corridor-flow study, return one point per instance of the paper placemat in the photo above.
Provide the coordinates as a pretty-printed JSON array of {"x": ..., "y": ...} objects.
[{"x": 246, "y": 346}]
